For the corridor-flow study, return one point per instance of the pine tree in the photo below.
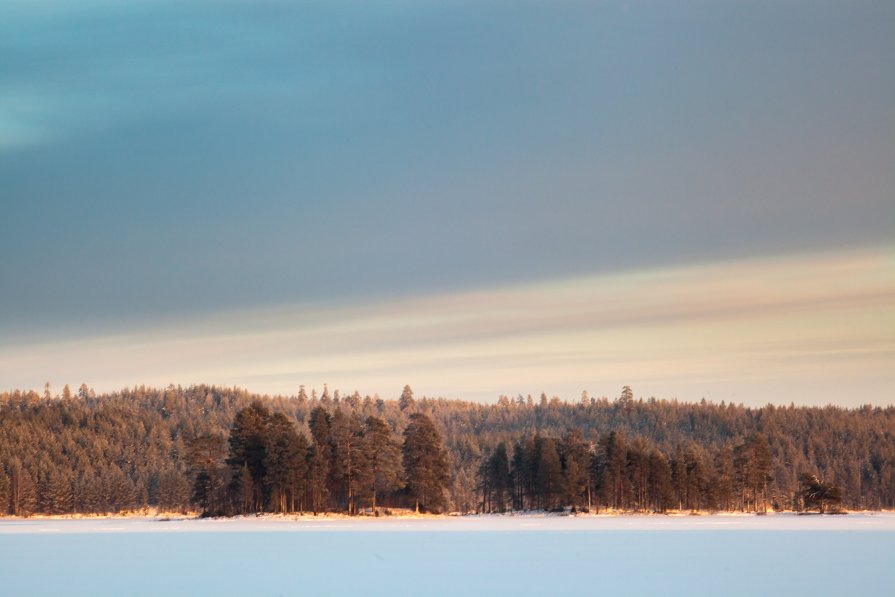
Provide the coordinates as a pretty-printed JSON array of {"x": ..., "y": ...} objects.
[
  {"x": 819, "y": 494},
  {"x": 4, "y": 492},
  {"x": 318, "y": 476},
  {"x": 725, "y": 480},
  {"x": 297, "y": 463},
  {"x": 496, "y": 480},
  {"x": 576, "y": 463},
  {"x": 639, "y": 472},
  {"x": 626, "y": 399},
  {"x": 350, "y": 466},
  {"x": 284, "y": 463},
  {"x": 613, "y": 479},
  {"x": 118, "y": 489},
  {"x": 425, "y": 463},
  {"x": 549, "y": 476},
  {"x": 205, "y": 455},
  {"x": 661, "y": 485},
  {"x": 696, "y": 480},
  {"x": 248, "y": 453},
  {"x": 320, "y": 423},
  {"x": 384, "y": 458},
  {"x": 521, "y": 475},
  {"x": 22, "y": 490},
  {"x": 760, "y": 467},
  {"x": 405, "y": 402},
  {"x": 173, "y": 489}
]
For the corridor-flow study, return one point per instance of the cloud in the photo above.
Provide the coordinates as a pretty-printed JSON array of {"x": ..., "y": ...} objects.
[
  {"x": 812, "y": 328},
  {"x": 76, "y": 70},
  {"x": 187, "y": 145},
  {"x": 20, "y": 120}
]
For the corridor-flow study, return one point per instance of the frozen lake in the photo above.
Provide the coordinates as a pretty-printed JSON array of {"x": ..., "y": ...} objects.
[{"x": 483, "y": 555}]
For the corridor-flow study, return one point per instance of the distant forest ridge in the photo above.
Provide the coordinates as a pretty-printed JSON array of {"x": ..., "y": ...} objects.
[{"x": 226, "y": 450}]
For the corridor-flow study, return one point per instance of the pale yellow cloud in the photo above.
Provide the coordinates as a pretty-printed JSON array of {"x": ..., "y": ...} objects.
[{"x": 812, "y": 329}]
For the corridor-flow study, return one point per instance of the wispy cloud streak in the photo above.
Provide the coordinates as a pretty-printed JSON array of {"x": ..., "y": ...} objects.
[{"x": 812, "y": 329}]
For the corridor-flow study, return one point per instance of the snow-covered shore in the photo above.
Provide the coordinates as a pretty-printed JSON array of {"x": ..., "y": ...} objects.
[{"x": 516, "y": 522}]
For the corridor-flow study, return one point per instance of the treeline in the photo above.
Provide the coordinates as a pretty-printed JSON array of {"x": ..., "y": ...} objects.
[
  {"x": 350, "y": 464},
  {"x": 201, "y": 448},
  {"x": 551, "y": 474}
]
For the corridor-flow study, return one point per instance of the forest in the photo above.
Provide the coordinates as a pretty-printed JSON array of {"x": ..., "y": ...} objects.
[{"x": 225, "y": 451}]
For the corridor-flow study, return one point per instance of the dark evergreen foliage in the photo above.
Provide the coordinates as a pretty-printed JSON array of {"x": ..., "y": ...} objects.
[
  {"x": 224, "y": 451},
  {"x": 426, "y": 467},
  {"x": 383, "y": 454},
  {"x": 819, "y": 495},
  {"x": 248, "y": 456}
]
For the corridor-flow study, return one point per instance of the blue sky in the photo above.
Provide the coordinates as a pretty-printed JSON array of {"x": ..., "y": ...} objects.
[{"x": 165, "y": 164}]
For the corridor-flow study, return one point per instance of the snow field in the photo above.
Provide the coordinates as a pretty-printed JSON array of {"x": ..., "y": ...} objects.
[{"x": 481, "y": 555}]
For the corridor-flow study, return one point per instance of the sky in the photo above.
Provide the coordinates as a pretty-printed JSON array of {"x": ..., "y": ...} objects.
[{"x": 693, "y": 198}]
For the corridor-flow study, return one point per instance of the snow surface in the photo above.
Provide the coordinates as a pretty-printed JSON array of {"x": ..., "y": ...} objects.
[{"x": 475, "y": 555}]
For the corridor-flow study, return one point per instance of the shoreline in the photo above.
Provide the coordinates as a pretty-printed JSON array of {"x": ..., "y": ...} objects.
[{"x": 165, "y": 516}]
